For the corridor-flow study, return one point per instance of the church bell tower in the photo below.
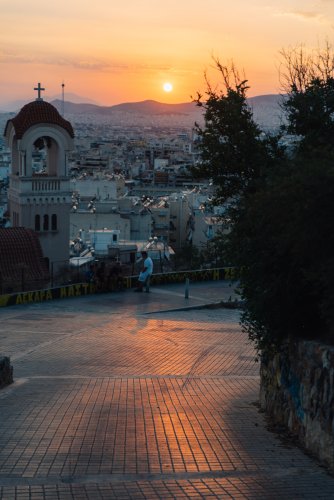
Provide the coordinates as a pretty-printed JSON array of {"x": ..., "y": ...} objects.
[{"x": 39, "y": 197}]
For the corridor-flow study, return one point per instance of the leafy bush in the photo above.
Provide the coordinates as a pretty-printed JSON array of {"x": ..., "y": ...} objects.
[
  {"x": 284, "y": 244},
  {"x": 281, "y": 208}
]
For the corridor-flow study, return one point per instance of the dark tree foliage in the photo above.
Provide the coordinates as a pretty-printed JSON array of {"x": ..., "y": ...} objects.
[
  {"x": 234, "y": 151},
  {"x": 282, "y": 218},
  {"x": 309, "y": 84},
  {"x": 283, "y": 243},
  {"x": 310, "y": 116}
]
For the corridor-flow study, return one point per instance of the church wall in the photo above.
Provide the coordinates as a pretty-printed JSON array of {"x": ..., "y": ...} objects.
[
  {"x": 55, "y": 242},
  {"x": 41, "y": 200}
]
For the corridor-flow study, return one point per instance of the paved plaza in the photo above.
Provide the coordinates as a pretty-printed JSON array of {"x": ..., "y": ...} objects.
[{"x": 128, "y": 395}]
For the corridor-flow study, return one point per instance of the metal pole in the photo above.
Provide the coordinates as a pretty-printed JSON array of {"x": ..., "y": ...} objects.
[
  {"x": 186, "y": 291},
  {"x": 22, "y": 280},
  {"x": 161, "y": 265}
]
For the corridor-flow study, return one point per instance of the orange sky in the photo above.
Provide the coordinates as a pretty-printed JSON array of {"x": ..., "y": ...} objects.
[{"x": 113, "y": 52}]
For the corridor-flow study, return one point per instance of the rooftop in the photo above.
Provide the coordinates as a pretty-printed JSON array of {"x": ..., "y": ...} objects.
[{"x": 38, "y": 112}]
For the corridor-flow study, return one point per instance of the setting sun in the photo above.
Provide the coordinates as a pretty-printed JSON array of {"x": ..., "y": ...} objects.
[
  {"x": 168, "y": 87},
  {"x": 154, "y": 51}
]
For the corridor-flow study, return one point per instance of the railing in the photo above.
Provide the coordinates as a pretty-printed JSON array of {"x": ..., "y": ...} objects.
[
  {"x": 75, "y": 284},
  {"x": 40, "y": 185},
  {"x": 46, "y": 185}
]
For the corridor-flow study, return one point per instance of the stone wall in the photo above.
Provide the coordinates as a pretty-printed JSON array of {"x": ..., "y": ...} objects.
[
  {"x": 6, "y": 371},
  {"x": 297, "y": 391}
]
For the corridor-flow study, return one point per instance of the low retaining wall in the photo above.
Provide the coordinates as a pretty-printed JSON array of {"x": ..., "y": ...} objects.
[
  {"x": 6, "y": 371},
  {"x": 81, "y": 289},
  {"x": 297, "y": 391}
]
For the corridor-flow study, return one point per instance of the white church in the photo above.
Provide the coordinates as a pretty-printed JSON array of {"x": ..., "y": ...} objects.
[{"x": 41, "y": 200}]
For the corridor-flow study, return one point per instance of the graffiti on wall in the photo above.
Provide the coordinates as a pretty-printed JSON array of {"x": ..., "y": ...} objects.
[{"x": 77, "y": 290}]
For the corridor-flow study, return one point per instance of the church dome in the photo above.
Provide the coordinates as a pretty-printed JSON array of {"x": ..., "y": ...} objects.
[{"x": 37, "y": 112}]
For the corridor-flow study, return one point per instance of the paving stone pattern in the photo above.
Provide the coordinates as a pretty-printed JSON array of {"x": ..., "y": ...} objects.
[{"x": 115, "y": 398}]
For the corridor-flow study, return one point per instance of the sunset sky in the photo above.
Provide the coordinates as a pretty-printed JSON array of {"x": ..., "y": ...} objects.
[{"x": 120, "y": 51}]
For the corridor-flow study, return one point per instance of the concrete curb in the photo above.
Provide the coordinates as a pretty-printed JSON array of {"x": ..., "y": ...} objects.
[{"x": 211, "y": 305}]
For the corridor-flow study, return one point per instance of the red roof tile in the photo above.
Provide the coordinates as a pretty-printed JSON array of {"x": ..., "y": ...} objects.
[
  {"x": 38, "y": 112},
  {"x": 21, "y": 252}
]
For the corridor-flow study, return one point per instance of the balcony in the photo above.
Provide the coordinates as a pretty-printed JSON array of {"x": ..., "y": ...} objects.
[{"x": 39, "y": 185}]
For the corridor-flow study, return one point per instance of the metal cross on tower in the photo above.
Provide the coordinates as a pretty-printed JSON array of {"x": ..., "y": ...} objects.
[{"x": 39, "y": 89}]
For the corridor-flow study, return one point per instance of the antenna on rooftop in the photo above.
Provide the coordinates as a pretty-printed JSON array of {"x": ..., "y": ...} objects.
[{"x": 63, "y": 98}]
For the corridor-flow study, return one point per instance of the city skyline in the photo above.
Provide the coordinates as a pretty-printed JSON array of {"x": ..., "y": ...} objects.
[{"x": 140, "y": 50}]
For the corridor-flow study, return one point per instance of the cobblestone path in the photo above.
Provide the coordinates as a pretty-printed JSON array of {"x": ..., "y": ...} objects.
[{"x": 111, "y": 402}]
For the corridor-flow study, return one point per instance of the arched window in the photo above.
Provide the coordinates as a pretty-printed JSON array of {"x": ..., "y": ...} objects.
[
  {"x": 45, "y": 222},
  {"x": 54, "y": 222},
  {"x": 37, "y": 222}
]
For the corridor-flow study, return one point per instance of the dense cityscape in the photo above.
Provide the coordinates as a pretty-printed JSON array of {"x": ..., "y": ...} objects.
[
  {"x": 131, "y": 186},
  {"x": 166, "y": 250},
  {"x": 131, "y": 182}
]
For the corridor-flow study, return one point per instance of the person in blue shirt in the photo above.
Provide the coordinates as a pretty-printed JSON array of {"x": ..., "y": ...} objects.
[{"x": 145, "y": 274}]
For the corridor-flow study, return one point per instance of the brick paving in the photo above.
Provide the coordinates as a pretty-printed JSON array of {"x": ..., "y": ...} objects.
[{"x": 127, "y": 396}]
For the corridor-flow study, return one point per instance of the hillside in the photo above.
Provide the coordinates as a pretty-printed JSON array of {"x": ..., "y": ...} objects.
[
  {"x": 148, "y": 107},
  {"x": 266, "y": 109}
]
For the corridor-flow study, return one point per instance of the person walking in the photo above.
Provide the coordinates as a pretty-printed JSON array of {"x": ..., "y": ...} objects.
[{"x": 145, "y": 274}]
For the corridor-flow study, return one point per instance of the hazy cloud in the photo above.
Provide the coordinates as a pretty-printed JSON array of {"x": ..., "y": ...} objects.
[
  {"x": 11, "y": 55},
  {"x": 16, "y": 56},
  {"x": 307, "y": 14}
]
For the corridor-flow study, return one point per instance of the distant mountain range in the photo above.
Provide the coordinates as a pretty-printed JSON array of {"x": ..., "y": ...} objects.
[
  {"x": 148, "y": 107},
  {"x": 15, "y": 106},
  {"x": 266, "y": 110}
]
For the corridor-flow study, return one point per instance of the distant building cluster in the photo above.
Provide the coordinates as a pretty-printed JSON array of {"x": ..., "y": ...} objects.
[{"x": 131, "y": 187}]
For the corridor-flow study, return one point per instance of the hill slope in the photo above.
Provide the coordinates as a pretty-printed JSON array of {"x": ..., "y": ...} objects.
[{"x": 266, "y": 109}]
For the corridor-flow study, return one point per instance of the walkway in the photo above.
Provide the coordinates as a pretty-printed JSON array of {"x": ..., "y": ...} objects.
[{"x": 116, "y": 398}]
